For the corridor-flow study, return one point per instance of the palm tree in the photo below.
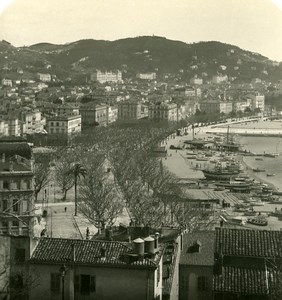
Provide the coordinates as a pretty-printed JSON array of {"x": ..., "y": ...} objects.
[{"x": 77, "y": 170}]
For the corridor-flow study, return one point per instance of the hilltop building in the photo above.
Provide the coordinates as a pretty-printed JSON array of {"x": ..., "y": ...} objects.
[
  {"x": 257, "y": 101},
  {"x": 147, "y": 76},
  {"x": 104, "y": 77},
  {"x": 7, "y": 82},
  {"x": 44, "y": 77}
]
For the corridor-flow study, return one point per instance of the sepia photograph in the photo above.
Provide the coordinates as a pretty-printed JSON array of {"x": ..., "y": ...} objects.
[{"x": 141, "y": 150}]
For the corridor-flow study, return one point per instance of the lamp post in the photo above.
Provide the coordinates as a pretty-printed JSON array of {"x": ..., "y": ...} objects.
[{"x": 63, "y": 270}]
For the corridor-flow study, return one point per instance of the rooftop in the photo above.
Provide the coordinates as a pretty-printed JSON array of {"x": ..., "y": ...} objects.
[
  {"x": 58, "y": 251},
  {"x": 198, "y": 249},
  {"x": 247, "y": 281},
  {"x": 245, "y": 242}
]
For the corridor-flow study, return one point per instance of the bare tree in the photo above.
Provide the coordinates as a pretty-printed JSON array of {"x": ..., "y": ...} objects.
[
  {"x": 63, "y": 175},
  {"x": 41, "y": 177},
  {"x": 100, "y": 201}
]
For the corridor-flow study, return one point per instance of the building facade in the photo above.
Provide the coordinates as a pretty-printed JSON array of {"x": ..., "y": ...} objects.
[
  {"x": 64, "y": 125},
  {"x": 147, "y": 76},
  {"x": 94, "y": 115},
  {"x": 44, "y": 77},
  {"x": 163, "y": 112},
  {"x": 129, "y": 110},
  {"x": 104, "y": 77},
  {"x": 16, "y": 188},
  {"x": 96, "y": 270},
  {"x": 257, "y": 102}
]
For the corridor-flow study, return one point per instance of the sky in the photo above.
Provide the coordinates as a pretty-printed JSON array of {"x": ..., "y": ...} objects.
[{"x": 254, "y": 25}]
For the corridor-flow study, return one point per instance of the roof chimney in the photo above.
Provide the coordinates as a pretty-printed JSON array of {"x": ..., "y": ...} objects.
[
  {"x": 11, "y": 166},
  {"x": 103, "y": 252}
]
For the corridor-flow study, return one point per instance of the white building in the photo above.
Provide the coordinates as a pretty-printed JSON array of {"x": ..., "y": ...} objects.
[
  {"x": 196, "y": 81},
  {"x": 219, "y": 79},
  {"x": 44, "y": 77},
  {"x": 257, "y": 101},
  {"x": 163, "y": 112},
  {"x": 147, "y": 76},
  {"x": 7, "y": 82},
  {"x": 104, "y": 77}
]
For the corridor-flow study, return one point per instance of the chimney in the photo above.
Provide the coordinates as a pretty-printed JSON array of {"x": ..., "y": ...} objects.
[
  {"x": 103, "y": 252},
  {"x": 11, "y": 166},
  {"x": 157, "y": 240},
  {"x": 73, "y": 252},
  {"x": 3, "y": 157}
]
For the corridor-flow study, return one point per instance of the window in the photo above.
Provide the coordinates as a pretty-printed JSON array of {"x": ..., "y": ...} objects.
[
  {"x": 184, "y": 283},
  {"x": 15, "y": 223},
  {"x": 5, "y": 185},
  {"x": 15, "y": 205},
  {"x": 20, "y": 255},
  {"x": 55, "y": 282},
  {"x": 202, "y": 283},
  {"x": 87, "y": 284},
  {"x": 5, "y": 205}
]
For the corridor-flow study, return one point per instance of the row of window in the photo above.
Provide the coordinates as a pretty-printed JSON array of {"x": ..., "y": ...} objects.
[
  {"x": 16, "y": 184},
  {"x": 85, "y": 284}
]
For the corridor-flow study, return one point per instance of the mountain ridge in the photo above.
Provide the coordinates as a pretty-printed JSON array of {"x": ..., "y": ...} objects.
[{"x": 147, "y": 54}]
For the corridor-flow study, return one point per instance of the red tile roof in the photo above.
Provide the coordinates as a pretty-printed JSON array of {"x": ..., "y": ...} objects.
[
  {"x": 205, "y": 256},
  {"x": 244, "y": 242},
  {"x": 58, "y": 250},
  {"x": 247, "y": 281}
]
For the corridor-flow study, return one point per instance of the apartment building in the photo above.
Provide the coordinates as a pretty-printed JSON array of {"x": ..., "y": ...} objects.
[
  {"x": 44, "y": 77},
  {"x": 94, "y": 114},
  {"x": 163, "y": 112},
  {"x": 257, "y": 101},
  {"x": 104, "y": 77},
  {"x": 16, "y": 188},
  {"x": 147, "y": 76},
  {"x": 63, "y": 125},
  {"x": 129, "y": 110}
]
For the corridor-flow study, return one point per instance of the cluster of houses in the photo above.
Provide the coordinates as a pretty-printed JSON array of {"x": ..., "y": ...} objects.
[{"x": 47, "y": 106}]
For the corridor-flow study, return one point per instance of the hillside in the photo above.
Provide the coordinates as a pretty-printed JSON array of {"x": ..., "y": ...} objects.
[{"x": 142, "y": 54}]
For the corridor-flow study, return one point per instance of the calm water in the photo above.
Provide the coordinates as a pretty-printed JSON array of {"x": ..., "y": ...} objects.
[{"x": 271, "y": 165}]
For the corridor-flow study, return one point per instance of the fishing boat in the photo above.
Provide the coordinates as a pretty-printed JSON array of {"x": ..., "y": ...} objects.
[
  {"x": 276, "y": 201},
  {"x": 258, "y": 221},
  {"x": 220, "y": 174},
  {"x": 258, "y": 158},
  {"x": 272, "y": 155},
  {"x": 258, "y": 170},
  {"x": 270, "y": 174}
]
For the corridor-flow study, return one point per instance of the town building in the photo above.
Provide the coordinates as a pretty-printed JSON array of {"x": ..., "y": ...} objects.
[
  {"x": 231, "y": 263},
  {"x": 196, "y": 81},
  {"x": 215, "y": 106},
  {"x": 63, "y": 125},
  {"x": 7, "y": 82},
  {"x": 112, "y": 114},
  {"x": 104, "y": 77},
  {"x": 88, "y": 269},
  {"x": 94, "y": 114},
  {"x": 147, "y": 76},
  {"x": 44, "y": 77},
  {"x": 163, "y": 112},
  {"x": 32, "y": 122},
  {"x": 16, "y": 188},
  {"x": 257, "y": 101},
  {"x": 129, "y": 110},
  {"x": 219, "y": 79}
]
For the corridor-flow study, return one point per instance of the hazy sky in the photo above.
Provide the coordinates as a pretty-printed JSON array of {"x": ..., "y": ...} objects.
[{"x": 254, "y": 25}]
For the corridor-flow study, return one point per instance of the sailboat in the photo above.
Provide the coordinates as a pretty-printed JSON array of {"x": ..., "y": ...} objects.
[{"x": 230, "y": 145}]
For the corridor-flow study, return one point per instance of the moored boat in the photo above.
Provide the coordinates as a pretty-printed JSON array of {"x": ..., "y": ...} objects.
[{"x": 258, "y": 221}]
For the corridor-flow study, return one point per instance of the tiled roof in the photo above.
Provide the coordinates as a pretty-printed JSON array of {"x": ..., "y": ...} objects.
[
  {"x": 205, "y": 256},
  {"x": 246, "y": 281},
  {"x": 244, "y": 242},
  {"x": 57, "y": 250}
]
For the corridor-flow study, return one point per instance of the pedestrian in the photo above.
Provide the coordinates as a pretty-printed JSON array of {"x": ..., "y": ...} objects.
[{"x": 65, "y": 209}]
